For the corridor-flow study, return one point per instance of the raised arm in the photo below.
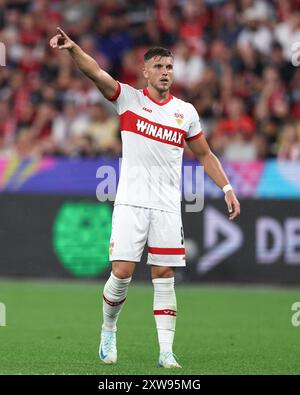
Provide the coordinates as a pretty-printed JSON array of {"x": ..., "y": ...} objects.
[
  {"x": 104, "y": 82},
  {"x": 215, "y": 171}
]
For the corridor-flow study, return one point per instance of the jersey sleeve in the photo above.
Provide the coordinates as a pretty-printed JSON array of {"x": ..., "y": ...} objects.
[
  {"x": 195, "y": 129},
  {"x": 125, "y": 94}
]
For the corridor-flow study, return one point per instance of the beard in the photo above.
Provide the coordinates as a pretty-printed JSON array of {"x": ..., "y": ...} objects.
[{"x": 162, "y": 88}]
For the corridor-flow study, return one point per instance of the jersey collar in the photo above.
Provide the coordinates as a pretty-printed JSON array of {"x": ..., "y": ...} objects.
[{"x": 146, "y": 93}]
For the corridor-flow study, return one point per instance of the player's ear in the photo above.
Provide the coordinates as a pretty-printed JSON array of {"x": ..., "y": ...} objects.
[{"x": 145, "y": 72}]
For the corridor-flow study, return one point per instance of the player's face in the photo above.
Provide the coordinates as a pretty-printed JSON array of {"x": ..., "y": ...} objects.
[{"x": 159, "y": 72}]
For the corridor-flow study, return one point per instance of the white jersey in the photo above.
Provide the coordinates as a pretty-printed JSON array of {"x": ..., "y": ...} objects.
[{"x": 153, "y": 137}]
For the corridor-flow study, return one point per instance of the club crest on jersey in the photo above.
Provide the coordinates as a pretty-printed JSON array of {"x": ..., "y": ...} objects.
[{"x": 179, "y": 118}]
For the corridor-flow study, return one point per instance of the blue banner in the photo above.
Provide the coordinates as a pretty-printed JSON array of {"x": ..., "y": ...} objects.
[{"x": 82, "y": 176}]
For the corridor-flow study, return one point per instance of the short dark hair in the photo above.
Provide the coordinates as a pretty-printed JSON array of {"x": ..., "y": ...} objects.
[{"x": 157, "y": 51}]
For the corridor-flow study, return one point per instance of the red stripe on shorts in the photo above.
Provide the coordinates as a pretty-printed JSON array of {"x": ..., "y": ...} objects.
[
  {"x": 165, "y": 312},
  {"x": 166, "y": 251}
]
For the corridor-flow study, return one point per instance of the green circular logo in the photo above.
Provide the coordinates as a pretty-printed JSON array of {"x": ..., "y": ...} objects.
[{"x": 81, "y": 234}]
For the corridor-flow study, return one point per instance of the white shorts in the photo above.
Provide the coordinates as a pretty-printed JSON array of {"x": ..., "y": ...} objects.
[{"x": 133, "y": 226}]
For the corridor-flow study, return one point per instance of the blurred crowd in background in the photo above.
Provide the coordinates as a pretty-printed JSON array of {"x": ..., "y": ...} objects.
[{"x": 232, "y": 61}]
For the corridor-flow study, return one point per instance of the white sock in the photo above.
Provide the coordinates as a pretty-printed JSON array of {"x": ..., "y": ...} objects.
[
  {"x": 165, "y": 310},
  {"x": 114, "y": 295}
]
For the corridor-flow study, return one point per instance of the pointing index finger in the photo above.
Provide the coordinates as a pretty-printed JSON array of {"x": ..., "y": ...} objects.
[{"x": 62, "y": 33}]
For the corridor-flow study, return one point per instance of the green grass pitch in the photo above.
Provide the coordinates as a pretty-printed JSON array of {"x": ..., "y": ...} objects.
[{"x": 53, "y": 328}]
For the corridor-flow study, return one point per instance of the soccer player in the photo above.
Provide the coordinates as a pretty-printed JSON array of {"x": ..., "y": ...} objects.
[{"x": 154, "y": 125}]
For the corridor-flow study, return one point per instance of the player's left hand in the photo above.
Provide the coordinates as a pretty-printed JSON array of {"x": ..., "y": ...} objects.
[{"x": 232, "y": 204}]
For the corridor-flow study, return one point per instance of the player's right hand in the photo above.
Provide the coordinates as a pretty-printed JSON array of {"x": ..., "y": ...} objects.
[{"x": 61, "y": 40}]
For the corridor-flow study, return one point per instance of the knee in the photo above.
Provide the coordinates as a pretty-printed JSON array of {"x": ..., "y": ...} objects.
[
  {"x": 121, "y": 274},
  {"x": 122, "y": 271},
  {"x": 162, "y": 272}
]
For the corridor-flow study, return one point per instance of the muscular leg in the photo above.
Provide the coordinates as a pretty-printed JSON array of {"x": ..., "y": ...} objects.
[
  {"x": 114, "y": 295},
  {"x": 164, "y": 307},
  {"x": 123, "y": 269},
  {"x": 115, "y": 292},
  {"x": 162, "y": 272}
]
